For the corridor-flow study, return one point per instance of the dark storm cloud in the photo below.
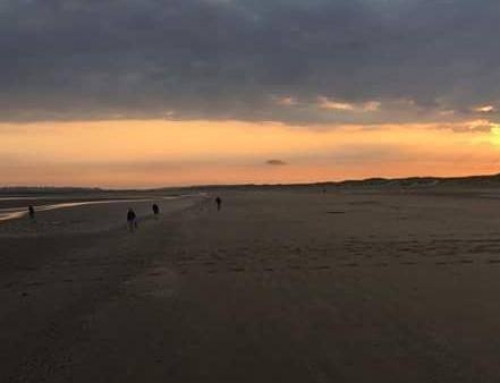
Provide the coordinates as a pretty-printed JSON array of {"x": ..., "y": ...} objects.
[{"x": 422, "y": 60}]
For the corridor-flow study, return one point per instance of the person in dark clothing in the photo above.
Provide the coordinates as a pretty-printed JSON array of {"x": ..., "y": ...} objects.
[
  {"x": 131, "y": 219},
  {"x": 31, "y": 212},
  {"x": 156, "y": 210},
  {"x": 218, "y": 201}
]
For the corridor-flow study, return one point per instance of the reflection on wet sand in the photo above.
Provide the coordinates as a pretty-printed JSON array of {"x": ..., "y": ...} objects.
[{"x": 19, "y": 212}]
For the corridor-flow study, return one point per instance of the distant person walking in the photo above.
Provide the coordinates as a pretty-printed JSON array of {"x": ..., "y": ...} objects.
[
  {"x": 218, "y": 201},
  {"x": 131, "y": 219},
  {"x": 31, "y": 212},
  {"x": 156, "y": 210}
]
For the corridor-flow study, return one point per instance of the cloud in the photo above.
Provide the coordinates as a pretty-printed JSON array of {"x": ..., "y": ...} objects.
[
  {"x": 276, "y": 162},
  {"x": 484, "y": 109},
  {"x": 287, "y": 101},
  {"x": 483, "y": 126},
  {"x": 232, "y": 59},
  {"x": 325, "y": 103},
  {"x": 370, "y": 106}
]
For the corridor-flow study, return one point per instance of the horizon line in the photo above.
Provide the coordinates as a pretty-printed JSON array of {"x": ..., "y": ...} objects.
[{"x": 339, "y": 182}]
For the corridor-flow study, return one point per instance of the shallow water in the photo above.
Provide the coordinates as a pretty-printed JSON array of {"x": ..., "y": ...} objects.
[{"x": 8, "y": 214}]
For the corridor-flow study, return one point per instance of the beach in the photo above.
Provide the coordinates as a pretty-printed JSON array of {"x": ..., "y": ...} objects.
[{"x": 291, "y": 285}]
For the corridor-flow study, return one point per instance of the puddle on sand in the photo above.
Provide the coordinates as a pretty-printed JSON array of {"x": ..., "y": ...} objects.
[{"x": 15, "y": 213}]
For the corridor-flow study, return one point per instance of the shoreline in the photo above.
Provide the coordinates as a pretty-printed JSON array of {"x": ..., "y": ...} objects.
[{"x": 7, "y": 214}]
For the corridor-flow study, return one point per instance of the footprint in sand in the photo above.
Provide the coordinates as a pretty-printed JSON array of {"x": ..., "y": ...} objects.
[
  {"x": 34, "y": 283},
  {"x": 352, "y": 264},
  {"x": 155, "y": 273},
  {"x": 442, "y": 263},
  {"x": 208, "y": 263}
]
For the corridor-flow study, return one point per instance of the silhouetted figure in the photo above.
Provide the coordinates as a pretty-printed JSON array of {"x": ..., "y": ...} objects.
[
  {"x": 131, "y": 219},
  {"x": 31, "y": 212},
  {"x": 156, "y": 210},
  {"x": 218, "y": 201}
]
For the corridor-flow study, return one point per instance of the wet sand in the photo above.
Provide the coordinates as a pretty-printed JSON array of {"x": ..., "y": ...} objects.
[{"x": 277, "y": 286}]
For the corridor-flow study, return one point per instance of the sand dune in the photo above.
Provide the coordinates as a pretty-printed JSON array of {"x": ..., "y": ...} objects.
[{"x": 278, "y": 286}]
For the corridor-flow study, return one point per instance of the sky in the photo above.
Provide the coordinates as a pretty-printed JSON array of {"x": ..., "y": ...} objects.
[{"x": 149, "y": 93}]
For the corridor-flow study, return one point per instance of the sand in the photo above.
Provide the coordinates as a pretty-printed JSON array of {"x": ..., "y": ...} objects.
[{"x": 279, "y": 286}]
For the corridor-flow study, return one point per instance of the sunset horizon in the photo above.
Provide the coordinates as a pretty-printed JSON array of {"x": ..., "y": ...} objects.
[
  {"x": 169, "y": 153},
  {"x": 333, "y": 182}
]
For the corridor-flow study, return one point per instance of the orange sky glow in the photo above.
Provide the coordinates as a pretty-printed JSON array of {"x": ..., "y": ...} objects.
[{"x": 159, "y": 153}]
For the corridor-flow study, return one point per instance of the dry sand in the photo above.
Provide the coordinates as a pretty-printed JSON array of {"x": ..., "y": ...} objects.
[{"x": 277, "y": 287}]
